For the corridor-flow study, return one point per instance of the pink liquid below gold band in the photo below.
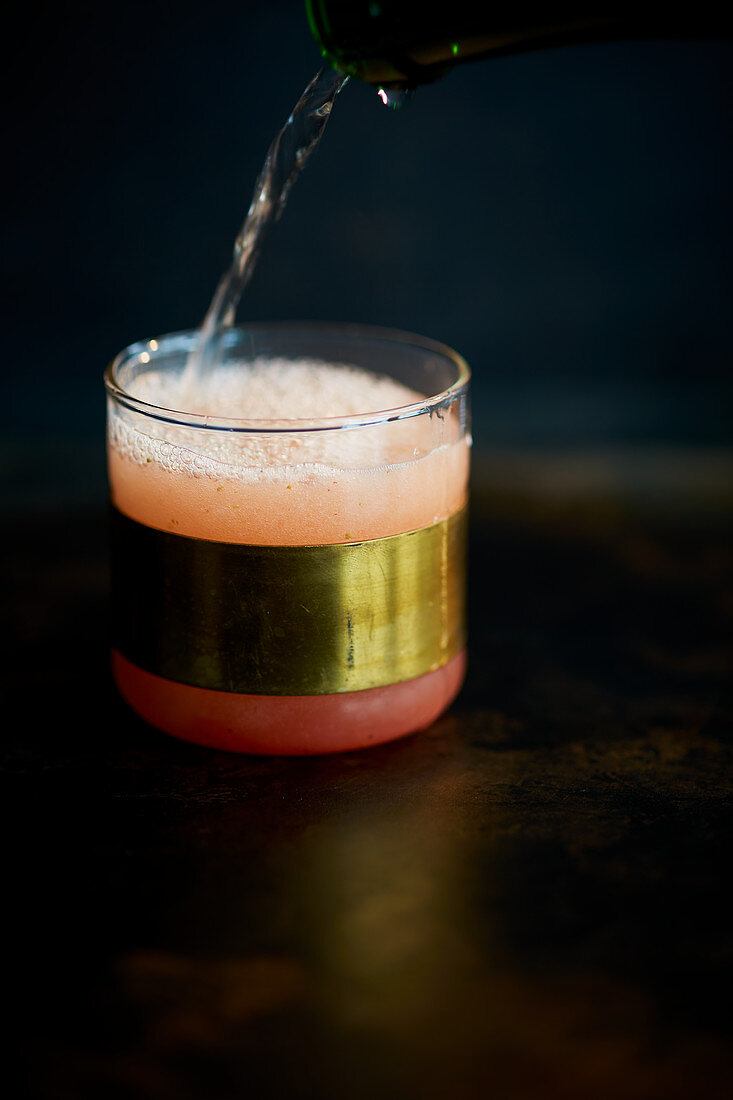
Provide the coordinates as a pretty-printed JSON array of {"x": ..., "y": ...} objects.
[
  {"x": 284, "y": 724},
  {"x": 289, "y": 620}
]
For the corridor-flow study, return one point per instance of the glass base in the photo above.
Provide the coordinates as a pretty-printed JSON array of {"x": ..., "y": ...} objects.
[{"x": 280, "y": 725}]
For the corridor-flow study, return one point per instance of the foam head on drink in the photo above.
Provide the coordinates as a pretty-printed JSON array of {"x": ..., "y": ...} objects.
[{"x": 283, "y": 489}]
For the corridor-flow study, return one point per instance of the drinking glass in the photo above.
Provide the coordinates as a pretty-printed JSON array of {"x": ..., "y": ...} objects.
[{"x": 288, "y": 586}]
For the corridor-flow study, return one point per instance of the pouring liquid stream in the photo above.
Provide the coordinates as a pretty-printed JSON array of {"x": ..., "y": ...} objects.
[{"x": 287, "y": 156}]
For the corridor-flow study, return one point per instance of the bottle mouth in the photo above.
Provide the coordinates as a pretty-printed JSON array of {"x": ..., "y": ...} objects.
[
  {"x": 358, "y": 40},
  {"x": 357, "y": 345}
]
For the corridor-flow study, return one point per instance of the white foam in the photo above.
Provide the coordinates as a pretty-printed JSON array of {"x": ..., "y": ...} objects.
[{"x": 267, "y": 389}]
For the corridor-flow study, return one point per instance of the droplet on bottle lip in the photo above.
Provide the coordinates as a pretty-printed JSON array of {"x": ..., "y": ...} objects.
[{"x": 395, "y": 98}]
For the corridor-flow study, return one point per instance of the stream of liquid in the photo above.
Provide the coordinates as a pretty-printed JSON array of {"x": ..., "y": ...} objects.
[{"x": 286, "y": 158}]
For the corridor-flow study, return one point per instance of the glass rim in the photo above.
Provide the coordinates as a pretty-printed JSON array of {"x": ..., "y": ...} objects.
[{"x": 182, "y": 418}]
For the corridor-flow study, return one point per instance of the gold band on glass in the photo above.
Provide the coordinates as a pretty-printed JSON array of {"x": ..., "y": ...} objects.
[{"x": 288, "y": 620}]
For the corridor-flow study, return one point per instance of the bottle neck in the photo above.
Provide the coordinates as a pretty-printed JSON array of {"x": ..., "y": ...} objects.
[{"x": 398, "y": 44}]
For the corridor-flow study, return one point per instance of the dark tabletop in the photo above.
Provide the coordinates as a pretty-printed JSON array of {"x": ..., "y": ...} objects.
[{"x": 527, "y": 901}]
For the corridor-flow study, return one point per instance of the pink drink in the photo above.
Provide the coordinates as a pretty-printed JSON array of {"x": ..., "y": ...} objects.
[{"x": 257, "y": 487}]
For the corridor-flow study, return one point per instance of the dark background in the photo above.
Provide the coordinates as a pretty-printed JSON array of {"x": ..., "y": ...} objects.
[
  {"x": 561, "y": 218},
  {"x": 528, "y": 899}
]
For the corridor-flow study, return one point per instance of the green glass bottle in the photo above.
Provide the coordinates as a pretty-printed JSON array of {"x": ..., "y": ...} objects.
[{"x": 395, "y": 43}]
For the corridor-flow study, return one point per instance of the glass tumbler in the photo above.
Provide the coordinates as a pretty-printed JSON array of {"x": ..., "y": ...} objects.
[{"x": 288, "y": 586}]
